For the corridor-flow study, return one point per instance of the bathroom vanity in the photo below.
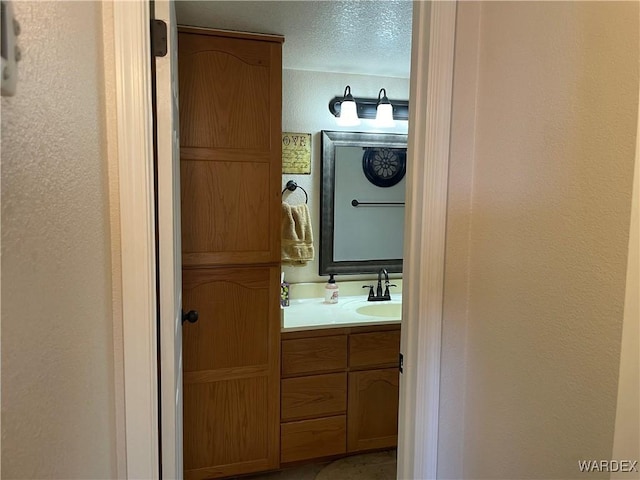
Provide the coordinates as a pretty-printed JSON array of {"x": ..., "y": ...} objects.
[{"x": 339, "y": 378}]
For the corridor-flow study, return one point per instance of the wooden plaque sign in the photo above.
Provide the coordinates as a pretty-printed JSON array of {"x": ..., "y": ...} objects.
[{"x": 296, "y": 153}]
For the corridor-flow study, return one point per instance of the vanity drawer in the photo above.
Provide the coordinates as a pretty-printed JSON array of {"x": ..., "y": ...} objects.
[
  {"x": 317, "y": 438},
  {"x": 374, "y": 349},
  {"x": 314, "y": 355},
  {"x": 315, "y": 396}
]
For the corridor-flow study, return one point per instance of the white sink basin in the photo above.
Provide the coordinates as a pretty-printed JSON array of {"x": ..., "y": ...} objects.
[{"x": 389, "y": 310}]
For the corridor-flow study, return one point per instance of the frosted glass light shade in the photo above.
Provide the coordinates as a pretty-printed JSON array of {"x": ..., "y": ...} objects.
[
  {"x": 348, "y": 114},
  {"x": 384, "y": 115}
]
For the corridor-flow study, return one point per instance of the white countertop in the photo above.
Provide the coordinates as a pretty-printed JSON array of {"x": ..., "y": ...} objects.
[{"x": 313, "y": 313}]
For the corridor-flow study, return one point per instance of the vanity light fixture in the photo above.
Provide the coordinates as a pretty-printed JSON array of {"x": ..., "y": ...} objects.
[
  {"x": 340, "y": 107},
  {"x": 384, "y": 110},
  {"x": 348, "y": 116}
]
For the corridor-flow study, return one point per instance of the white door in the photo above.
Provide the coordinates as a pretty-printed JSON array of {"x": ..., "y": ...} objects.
[{"x": 169, "y": 249}]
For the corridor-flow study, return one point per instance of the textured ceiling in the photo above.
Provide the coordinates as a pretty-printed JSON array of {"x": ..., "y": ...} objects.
[{"x": 369, "y": 37}]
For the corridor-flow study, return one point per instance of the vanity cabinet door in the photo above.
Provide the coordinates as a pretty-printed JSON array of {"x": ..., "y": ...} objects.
[
  {"x": 231, "y": 371},
  {"x": 372, "y": 412}
]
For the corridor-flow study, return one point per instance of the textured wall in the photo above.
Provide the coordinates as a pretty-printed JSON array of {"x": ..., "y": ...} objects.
[
  {"x": 552, "y": 162},
  {"x": 305, "y": 109},
  {"x": 57, "y": 352}
]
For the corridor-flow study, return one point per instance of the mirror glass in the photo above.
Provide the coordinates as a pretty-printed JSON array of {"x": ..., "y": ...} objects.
[{"x": 362, "y": 202}]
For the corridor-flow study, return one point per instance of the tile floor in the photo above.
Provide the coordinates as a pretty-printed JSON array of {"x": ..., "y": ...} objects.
[{"x": 368, "y": 466}]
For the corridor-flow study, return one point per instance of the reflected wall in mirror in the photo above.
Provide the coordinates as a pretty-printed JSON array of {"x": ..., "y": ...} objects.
[{"x": 362, "y": 202}]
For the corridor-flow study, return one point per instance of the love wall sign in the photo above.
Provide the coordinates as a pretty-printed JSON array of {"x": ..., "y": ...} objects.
[{"x": 296, "y": 153}]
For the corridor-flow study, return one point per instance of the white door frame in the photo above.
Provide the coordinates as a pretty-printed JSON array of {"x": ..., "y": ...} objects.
[
  {"x": 137, "y": 225},
  {"x": 428, "y": 149},
  {"x": 432, "y": 55},
  {"x": 169, "y": 246}
]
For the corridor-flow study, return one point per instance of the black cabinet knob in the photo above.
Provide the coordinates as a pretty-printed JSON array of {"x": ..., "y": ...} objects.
[{"x": 191, "y": 316}]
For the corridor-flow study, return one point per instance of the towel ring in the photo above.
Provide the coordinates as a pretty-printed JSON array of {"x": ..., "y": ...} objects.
[{"x": 292, "y": 186}]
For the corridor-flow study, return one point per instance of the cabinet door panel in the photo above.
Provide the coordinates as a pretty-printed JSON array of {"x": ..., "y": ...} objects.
[
  {"x": 225, "y": 210},
  {"x": 236, "y": 317},
  {"x": 373, "y": 409},
  {"x": 231, "y": 378},
  {"x": 224, "y": 92},
  {"x": 224, "y": 427}
]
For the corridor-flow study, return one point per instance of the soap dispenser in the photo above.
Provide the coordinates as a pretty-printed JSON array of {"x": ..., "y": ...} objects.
[{"x": 331, "y": 291}]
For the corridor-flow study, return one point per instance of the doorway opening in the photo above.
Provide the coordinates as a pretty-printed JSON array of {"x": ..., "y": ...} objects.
[{"x": 434, "y": 32}]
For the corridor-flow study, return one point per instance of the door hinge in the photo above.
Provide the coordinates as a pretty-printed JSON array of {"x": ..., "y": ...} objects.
[
  {"x": 158, "y": 38},
  {"x": 401, "y": 363}
]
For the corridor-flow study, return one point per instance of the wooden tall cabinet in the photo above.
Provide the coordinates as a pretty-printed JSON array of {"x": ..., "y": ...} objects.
[{"x": 230, "y": 155}]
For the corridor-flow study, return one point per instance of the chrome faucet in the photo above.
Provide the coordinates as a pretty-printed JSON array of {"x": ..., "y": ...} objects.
[{"x": 379, "y": 296}]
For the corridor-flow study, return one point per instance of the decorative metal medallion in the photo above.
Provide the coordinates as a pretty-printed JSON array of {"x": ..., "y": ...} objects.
[{"x": 384, "y": 167}]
